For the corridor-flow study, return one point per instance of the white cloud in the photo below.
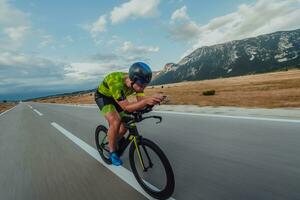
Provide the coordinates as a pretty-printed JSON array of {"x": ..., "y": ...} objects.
[
  {"x": 7, "y": 59},
  {"x": 249, "y": 20},
  {"x": 104, "y": 57},
  {"x": 14, "y": 66},
  {"x": 128, "y": 47},
  {"x": 114, "y": 39},
  {"x": 15, "y": 26},
  {"x": 182, "y": 27},
  {"x": 98, "y": 26},
  {"x": 16, "y": 29},
  {"x": 46, "y": 41},
  {"x": 134, "y": 8},
  {"x": 68, "y": 39},
  {"x": 17, "y": 33},
  {"x": 19, "y": 71},
  {"x": 11, "y": 16},
  {"x": 130, "y": 59},
  {"x": 180, "y": 14},
  {"x": 24, "y": 73},
  {"x": 185, "y": 31},
  {"x": 25, "y": 61},
  {"x": 89, "y": 70}
]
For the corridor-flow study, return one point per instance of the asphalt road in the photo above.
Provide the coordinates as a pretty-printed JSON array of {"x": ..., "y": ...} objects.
[{"x": 212, "y": 157}]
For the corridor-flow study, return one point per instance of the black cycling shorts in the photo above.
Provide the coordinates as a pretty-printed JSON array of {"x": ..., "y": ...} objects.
[{"x": 107, "y": 104}]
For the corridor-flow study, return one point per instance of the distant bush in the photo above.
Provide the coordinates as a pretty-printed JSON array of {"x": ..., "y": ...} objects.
[
  {"x": 208, "y": 92},
  {"x": 91, "y": 94},
  {"x": 4, "y": 101},
  {"x": 162, "y": 86}
]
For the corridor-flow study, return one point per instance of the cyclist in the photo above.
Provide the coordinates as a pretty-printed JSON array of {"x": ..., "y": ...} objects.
[{"x": 111, "y": 98}]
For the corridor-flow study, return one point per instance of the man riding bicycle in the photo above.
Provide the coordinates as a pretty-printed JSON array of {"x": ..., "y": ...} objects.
[{"x": 111, "y": 98}]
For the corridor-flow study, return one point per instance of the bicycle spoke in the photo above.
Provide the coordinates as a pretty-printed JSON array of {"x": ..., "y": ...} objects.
[
  {"x": 154, "y": 177},
  {"x": 102, "y": 143},
  {"x": 149, "y": 159}
]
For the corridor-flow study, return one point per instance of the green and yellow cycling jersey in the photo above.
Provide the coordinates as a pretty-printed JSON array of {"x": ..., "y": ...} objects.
[{"x": 114, "y": 86}]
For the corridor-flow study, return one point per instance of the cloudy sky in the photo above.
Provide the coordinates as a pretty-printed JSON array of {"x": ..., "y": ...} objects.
[{"x": 49, "y": 47}]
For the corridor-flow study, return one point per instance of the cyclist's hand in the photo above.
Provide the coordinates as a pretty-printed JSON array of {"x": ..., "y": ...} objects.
[
  {"x": 161, "y": 97},
  {"x": 152, "y": 101}
]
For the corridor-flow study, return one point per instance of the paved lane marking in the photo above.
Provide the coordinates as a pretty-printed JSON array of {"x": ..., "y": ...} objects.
[
  {"x": 199, "y": 114},
  {"x": 7, "y": 111},
  {"x": 230, "y": 116},
  {"x": 120, "y": 171},
  {"x": 40, "y": 114},
  {"x": 74, "y": 105},
  {"x": 28, "y": 105}
]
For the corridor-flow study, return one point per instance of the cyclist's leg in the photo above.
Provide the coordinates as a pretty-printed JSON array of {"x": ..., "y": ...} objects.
[
  {"x": 106, "y": 105},
  {"x": 114, "y": 121},
  {"x": 122, "y": 130},
  {"x": 108, "y": 109}
]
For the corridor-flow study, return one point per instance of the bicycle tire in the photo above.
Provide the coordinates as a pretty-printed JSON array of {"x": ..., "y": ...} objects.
[
  {"x": 101, "y": 131},
  {"x": 170, "y": 183}
]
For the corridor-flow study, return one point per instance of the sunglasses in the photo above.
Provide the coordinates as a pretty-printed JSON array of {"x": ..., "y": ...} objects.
[
  {"x": 141, "y": 84},
  {"x": 142, "y": 81}
]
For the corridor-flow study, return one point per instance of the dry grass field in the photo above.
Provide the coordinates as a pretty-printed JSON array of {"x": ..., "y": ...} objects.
[
  {"x": 270, "y": 90},
  {"x": 6, "y": 106}
]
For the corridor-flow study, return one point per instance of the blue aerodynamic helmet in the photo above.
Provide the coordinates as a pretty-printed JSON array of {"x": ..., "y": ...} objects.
[{"x": 140, "y": 72}]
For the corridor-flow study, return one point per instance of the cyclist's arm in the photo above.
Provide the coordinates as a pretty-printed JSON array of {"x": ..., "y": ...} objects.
[
  {"x": 140, "y": 96},
  {"x": 131, "y": 107}
]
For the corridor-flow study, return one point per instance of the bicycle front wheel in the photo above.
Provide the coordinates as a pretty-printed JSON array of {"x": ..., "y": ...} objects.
[
  {"x": 102, "y": 143},
  {"x": 152, "y": 169}
]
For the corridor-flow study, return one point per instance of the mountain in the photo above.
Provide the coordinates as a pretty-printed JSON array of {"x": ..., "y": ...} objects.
[
  {"x": 62, "y": 94},
  {"x": 264, "y": 53}
]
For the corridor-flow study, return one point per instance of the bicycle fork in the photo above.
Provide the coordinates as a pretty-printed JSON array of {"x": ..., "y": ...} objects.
[{"x": 134, "y": 138}]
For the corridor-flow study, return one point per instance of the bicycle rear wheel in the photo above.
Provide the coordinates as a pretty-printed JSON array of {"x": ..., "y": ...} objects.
[
  {"x": 102, "y": 143},
  {"x": 158, "y": 178}
]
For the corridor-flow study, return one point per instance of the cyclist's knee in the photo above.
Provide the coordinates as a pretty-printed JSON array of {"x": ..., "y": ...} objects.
[
  {"x": 123, "y": 129},
  {"x": 115, "y": 124},
  {"x": 114, "y": 120},
  {"x": 123, "y": 126}
]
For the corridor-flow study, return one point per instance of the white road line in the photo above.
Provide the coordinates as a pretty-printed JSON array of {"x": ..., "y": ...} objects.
[
  {"x": 40, "y": 114},
  {"x": 204, "y": 115},
  {"x": 30, "y": 106},
  {"x": 74, "y": 105},
  {"x": 207, "y": 115},
  {"x": 7, "y": 111},
  {"x": 230, "y": 116},
  {"x": 120, "y": 171}
]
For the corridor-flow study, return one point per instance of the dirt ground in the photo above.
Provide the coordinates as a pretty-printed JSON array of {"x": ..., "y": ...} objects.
[
  {"x": 270, "y": 90},
  {"x": 6, "y": 106}
]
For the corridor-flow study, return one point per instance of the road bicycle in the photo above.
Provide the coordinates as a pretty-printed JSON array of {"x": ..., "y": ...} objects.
[{"x": 148, "y": 163}]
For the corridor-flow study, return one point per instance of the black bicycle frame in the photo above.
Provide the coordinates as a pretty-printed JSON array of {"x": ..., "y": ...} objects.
[{"x": 134, "y": 136}]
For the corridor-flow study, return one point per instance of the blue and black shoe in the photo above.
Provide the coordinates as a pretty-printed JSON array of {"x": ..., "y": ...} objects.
[{"x": 115, "y": 160}]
